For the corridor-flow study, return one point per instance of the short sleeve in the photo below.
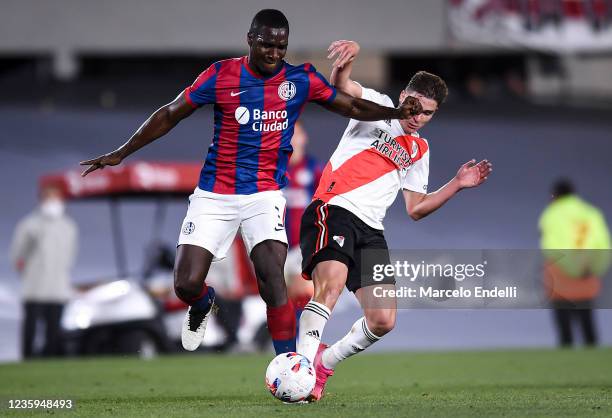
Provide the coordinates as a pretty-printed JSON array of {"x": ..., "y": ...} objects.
[
  {"x": 319, "y": 89},
  {"x": 202, "y": 91},
  {"x": 416, "y": 179}
]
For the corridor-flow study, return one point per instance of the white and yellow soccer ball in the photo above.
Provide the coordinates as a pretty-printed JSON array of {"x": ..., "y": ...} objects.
[{"x": 290, "y": 377}]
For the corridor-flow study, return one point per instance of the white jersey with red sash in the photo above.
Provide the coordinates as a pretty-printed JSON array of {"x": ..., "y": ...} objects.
[{"x": 373, "y": 161}]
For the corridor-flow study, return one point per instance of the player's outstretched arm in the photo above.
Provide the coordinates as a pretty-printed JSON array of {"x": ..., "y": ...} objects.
[
  {"x": 345, "y": 53},
  {"x": 361, "y": 109},
  {"x": 157, "y": 125},
  {"x": 419, "y": 205}
]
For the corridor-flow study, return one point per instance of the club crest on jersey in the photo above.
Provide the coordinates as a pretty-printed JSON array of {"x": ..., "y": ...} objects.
[
  {"x": 339, "y": 239},
  {"x": 188, "y": 228},
  {"x": 287, "y": 90},
  {"x": 415, "y": 150}
]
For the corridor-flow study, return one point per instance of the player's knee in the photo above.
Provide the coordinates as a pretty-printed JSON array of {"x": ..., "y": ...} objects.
[
  {"x": 187, "y": 284},
  {"x": 381, "y": 323}
]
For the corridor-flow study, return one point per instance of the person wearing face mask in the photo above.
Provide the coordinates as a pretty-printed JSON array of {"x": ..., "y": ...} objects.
[{"x": 43, "y": 251}]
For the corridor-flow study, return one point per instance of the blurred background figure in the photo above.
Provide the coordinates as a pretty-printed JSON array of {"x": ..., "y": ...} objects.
[
  {"x": 304, "y": 173},
  {"x": 576, "y": 242},
  {"x": 43, "y": 252}
]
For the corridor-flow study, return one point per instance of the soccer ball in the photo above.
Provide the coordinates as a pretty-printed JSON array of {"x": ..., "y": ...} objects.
[{"x": 290, "y": 377}]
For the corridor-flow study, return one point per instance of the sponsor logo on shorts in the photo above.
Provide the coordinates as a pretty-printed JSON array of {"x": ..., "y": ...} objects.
[
  {"x": 339, "y": 239},
  {"x": 188, "y": 228},
  {"x": 280, "y": 218},
  {"x": 287, "y": 90}
]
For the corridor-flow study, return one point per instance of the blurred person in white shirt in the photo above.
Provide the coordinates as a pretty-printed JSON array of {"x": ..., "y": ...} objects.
[{"x": 43, "y": 252}]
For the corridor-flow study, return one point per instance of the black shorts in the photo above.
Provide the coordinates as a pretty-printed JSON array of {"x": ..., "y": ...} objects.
[{"x": 329, "y": 232}]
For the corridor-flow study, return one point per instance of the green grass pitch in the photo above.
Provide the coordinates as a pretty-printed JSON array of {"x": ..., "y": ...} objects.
[{"x": 496, "y": 383}]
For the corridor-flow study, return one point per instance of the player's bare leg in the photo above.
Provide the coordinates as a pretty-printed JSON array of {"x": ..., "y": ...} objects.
[
  {"x": 190, "y": 270},
  {"x": 269, "y": 261}
]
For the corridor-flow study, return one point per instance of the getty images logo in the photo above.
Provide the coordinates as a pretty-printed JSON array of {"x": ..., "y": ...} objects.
[{"x": 262, "y": 120}]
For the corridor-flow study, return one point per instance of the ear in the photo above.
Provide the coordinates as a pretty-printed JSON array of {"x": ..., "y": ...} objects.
[
  {"x": 250, "y": 38},
  {"x": 402, "y": 96}
]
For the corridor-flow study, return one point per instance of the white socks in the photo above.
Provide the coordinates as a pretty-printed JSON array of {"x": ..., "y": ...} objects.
[
  {"x": 358, "y": 339},
  {"x": 312, "y": 322}
]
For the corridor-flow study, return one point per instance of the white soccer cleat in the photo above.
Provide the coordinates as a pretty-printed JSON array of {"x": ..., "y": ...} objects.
[{"x": 194, "y": 325}]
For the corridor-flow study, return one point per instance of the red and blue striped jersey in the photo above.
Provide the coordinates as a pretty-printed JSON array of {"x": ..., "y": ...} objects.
[{"x": 253, "y": 122}]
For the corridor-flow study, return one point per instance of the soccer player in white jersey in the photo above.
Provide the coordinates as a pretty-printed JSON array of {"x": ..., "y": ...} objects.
[{"x": 373, "y": 162}]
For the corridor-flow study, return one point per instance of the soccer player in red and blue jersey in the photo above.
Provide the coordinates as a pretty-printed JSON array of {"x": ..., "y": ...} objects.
[{"x": 257, "y": 99}]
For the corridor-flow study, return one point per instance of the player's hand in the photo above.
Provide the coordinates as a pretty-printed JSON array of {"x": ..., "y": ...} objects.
[
  {"x": 344, "y": 51},
  {"x": 410, "y": 106},
  {"x": 471, "y": 174},
  {"x": 112, "y": 158}
]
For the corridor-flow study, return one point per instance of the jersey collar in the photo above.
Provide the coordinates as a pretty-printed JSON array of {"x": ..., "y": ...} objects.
[{"x": 245, "y": 63}]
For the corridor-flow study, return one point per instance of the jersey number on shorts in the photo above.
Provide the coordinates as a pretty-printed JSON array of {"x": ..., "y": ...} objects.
[{"x": 280, "y": 218}]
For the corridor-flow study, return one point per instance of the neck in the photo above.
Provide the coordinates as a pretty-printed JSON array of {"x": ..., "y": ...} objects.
[{"x": 251, "y": 67}]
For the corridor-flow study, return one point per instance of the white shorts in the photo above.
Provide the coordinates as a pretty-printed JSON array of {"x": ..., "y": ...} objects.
[{"x": 213, "y": 219}]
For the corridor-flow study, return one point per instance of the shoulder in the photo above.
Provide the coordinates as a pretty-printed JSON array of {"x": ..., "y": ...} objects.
[
  {"x": 423, "y": 143},
  {"x": 223, "y": 66},
  {"x": 28, "y": 223},
  {"x": 227, "y": 64},
  {"x": 594, "y": 212},
  {"x": 376, "y": 96},
  {"x": 31, "y": 219},
  {"x": 70, "y": 223},
  {"x": 306, "y": 67}
]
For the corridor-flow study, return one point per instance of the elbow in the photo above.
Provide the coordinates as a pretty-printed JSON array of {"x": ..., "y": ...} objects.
[
  {"x": 167, "y": 116},
  {"x": 354, "y": 110},
  {"x": 414, "y": 215}
]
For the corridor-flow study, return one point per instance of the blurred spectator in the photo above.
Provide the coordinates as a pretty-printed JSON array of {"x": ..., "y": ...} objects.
[
  {"x": 575, "y": 241},
  {"x": 43, "y": 252},
  {"x": 304, "y": 173}
]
